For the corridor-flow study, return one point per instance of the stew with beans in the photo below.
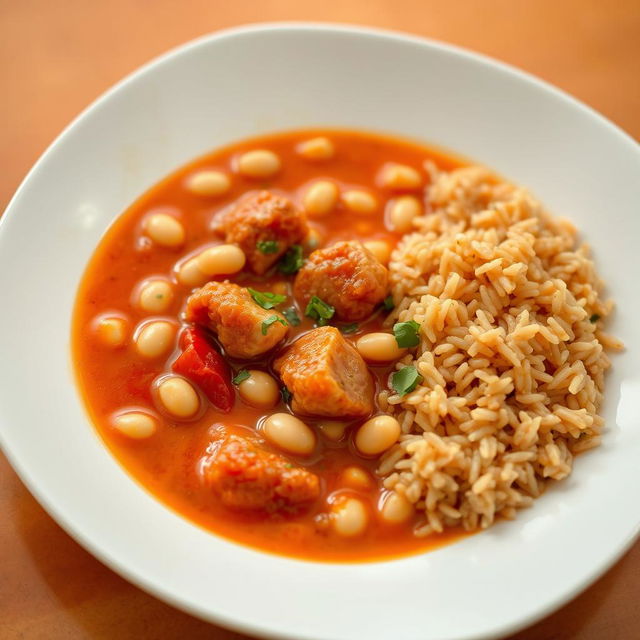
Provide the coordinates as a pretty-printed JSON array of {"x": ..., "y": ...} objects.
[{"x": 229, "y": 341}]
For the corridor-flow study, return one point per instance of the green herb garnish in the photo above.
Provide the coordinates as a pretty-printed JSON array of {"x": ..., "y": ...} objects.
[
  {"x": 286, "y": 394},
  {"x": 319, "y": 310},
  {"x": 241, "y": 376},
  {"x": 387, "y": 303},
  {"x": 594, "y": 318},
  {"x": 291, "y": 316},
  {"x": 405, "y": 380},
  {"x": 406, "y": 334},
  {"x": 267, "y": 246},
  {"x": 269, "y": 321},
  {"x": 350, "y": 328},
  {"x": 292, "y": 260},
  {"x": 266, "y": 299}
]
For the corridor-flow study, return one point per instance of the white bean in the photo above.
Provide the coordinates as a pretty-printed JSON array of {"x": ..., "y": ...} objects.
[
  {"x": 312, "y": 240},
  {"x": 356, "y": 478},
  {"x": 399, "y": 176},
  {"x": 320, "y": 198},
  {"x": 259, "y": 390},
  {"x": 402, "y": 213},
  {"x": 380, "y": 249},
  {"x": 289, "y": 433},
  {"x": 135, "y": 424},
  {"x": 189, "y": 274},
  {"x": 209, "y": 183},
  {"x": 224, "y": 259},
  {"x": 178, "y": 397},
  {"x": 334, "y": 431},
  {"x": 377, "y": 435},
  {"x": 154, "y": 339},
  {"x": 260, "y": 163},
  {"x": 358, "y": 201},
  {"x": 349, "y": 517},
  {"x": 320, "y": 148},
  {"x": 164, "y": 230},
  {"x": 396, "y": 509},
  {"x": 379, "y": 347},
  {"x": 155, "y": 296},
  {"x": 112, "y": 331}
]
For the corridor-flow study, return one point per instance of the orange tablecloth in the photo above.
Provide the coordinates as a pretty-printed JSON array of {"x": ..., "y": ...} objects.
[{"x": 55, "y": 57}]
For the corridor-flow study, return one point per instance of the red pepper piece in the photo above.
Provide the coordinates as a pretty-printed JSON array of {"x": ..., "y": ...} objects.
[{"x": 202, "y": 364}]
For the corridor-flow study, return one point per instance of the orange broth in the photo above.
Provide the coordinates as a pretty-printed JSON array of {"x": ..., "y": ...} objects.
[{"x": 111, "y": 380}]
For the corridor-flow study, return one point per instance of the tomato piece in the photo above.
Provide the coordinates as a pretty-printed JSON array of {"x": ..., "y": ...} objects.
[{"x": 204, "y": 366}]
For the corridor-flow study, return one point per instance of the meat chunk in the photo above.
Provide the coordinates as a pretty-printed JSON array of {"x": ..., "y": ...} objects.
[
  {"x": 245, "y": 476},
  {"x": 326, "y": 375},
  {"x": 345, "y": 275},
  {"x": 244, "y": 328},
  {"x": 264, "y": 226}
]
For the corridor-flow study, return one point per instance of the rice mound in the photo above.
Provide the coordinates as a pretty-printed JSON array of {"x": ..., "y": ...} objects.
[{"x": 511, "y": 354}]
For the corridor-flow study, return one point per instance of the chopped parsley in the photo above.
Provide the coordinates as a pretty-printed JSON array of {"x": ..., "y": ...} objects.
[
  {"x": 594, "y": 318},
  {"x": 267, "y": 246},
  {"x": 286, "y": 394},
  {"x": 241, "y": 376},
  {"x": 291, "y": 316},
  {"x": 292, "y": 260},
  {"x": 406, "y": 334},
  {"x": 319, "y": 310},
  {"x": 387, "y": 303},
  {"x": 271, "y": 320},
  {"x": 405, "y": 380},
  {"x": 266, "y": 299},
  {"x": 350, "y": 328}
]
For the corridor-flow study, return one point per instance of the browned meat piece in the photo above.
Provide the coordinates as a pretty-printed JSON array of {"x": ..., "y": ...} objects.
[
  {"x": 264, "y": 226},
  {"x": 326, "y": 375},
  {"x": 246, "y": 476},
  {"x": 345, "y": 275},
  {"x": 244, "y": 329}
]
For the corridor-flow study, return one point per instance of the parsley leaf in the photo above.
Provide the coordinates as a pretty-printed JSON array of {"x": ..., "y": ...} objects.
[
  {"x": 594, "y": 318},
  {"x": 292, "y": 260},
  {"x": 286, "y": 394},
  {"x": 405, "y": 380},
  {"x": 387, "y": 303},
  {"x": 406, "y": 334},
  {"x": 267, "y": 246},
  {"x": 269, "y": 321},
  {"x": 266, "y": 299},
  {"x": 319, "y": 310},
  {"x": 291, "y": 316},
  {"x": 241, "y": 376},
  {"x": 350, "y": 328}
]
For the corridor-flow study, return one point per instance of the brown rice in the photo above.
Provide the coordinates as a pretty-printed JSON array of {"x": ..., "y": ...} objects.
[{"x": 511, "y": 353}]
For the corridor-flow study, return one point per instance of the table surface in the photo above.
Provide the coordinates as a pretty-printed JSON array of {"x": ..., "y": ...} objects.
[{"x": 56, "y": 57}]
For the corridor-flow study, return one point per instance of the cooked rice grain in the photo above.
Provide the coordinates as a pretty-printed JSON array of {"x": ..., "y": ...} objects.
[{"x": 512, "y": 365}]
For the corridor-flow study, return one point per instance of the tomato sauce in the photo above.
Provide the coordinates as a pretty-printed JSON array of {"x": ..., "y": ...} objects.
[{"x": 115, "y": 379}]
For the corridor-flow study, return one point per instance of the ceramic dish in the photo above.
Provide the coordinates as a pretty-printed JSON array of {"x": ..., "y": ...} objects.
[{"x": 241, "y": 83}]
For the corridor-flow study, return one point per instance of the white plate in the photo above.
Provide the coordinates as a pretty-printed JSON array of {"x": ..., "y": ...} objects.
[{"x": 244, "y": 82}]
